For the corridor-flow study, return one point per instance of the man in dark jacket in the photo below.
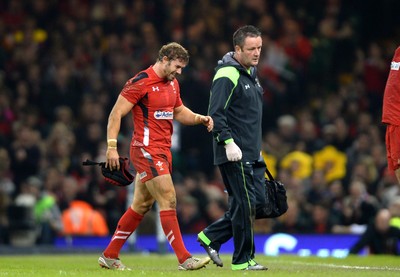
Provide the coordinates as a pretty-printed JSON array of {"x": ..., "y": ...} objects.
[
  {"x": 236, "y": 102},
  {"x": 379, "y": 237}
]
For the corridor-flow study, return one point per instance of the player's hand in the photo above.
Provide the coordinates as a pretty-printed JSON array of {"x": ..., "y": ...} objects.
[
  {"x": 233, "y": 152},
  {"x": 208, "y": 122},
  {"x": 112, "y": 159},
  {"x": 205, "y": 120}
]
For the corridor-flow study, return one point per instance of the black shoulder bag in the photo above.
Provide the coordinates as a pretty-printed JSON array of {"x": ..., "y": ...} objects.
[{"x": 276, "y": 199}]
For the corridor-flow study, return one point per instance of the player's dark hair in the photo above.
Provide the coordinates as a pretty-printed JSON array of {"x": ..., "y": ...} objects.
[
  {"x": 174, "y": 51},
  {"x": 243, "y": 32}
]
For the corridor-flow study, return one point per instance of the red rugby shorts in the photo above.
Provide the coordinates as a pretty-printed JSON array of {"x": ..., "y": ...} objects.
[
  {"x": 151, "y": 162},
  {"x": 393, "y": 146}
]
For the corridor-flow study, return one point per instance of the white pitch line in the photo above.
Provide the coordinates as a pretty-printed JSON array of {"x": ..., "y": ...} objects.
[{"x": 345, "y": 266}]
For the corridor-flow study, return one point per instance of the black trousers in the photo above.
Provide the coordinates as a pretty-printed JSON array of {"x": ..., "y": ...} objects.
[{"x": 244, "y": 182}]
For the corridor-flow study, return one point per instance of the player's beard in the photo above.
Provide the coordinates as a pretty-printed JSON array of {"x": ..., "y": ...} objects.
[{"x": 169, "y": 75}]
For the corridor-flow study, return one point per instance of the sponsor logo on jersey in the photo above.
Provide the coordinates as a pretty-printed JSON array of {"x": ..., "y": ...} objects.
[
  {"x": 142, "y": 175},
  {"x": 395, "y": 66},
  {"x": 163, "y": 115}
]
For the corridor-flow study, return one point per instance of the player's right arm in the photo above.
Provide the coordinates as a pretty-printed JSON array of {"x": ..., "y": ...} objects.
[
  {"x": 121, "y": 107},
  {"x": 132, "y": 92}
]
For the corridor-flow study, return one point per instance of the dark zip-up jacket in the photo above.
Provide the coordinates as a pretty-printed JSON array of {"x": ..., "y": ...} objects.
[{"x": 236, "y": 101}]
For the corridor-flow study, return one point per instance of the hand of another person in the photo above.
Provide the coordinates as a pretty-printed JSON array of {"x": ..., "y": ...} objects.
[{"x": 233, "y": 152}]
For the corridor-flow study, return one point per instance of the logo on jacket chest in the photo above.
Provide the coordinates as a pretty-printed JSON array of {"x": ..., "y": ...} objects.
[{"x": 257, "y": 83}]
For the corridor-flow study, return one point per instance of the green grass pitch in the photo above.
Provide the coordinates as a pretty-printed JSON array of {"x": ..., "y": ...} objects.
[{"x": 166, "y": 265}]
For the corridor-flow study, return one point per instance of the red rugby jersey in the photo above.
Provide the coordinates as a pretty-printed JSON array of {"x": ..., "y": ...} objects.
[
  {"x": 154, "y": 101},
  {"x": 391, "y": 98}
]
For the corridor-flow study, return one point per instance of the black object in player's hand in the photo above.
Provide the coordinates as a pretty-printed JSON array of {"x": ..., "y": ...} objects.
[{"x": 121, "y": 177}]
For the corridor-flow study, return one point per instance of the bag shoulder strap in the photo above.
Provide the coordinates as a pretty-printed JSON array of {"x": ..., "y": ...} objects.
[{"x": 269, "y": 174}]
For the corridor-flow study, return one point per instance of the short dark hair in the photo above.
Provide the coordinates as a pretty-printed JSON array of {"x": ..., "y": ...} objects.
[
  {"x": 173, "y": 51},
  {"x": 243, "y": 32}
]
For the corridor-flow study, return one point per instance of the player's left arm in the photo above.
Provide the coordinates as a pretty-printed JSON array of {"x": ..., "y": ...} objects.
[{"x": 185, "y": 116}]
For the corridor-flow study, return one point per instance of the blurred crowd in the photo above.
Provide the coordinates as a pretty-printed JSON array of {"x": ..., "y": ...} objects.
[{"x": 323, "y": 68}]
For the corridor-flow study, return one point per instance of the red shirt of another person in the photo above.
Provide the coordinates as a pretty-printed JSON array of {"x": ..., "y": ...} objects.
[
  {"x": 391, "y": 98},
  {"x": 154, "y": 101}
]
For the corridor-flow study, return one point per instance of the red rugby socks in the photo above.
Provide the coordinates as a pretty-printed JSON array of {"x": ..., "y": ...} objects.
[
  {"x": 126, "y": 226},
  {"x": 171, "y": 229}
]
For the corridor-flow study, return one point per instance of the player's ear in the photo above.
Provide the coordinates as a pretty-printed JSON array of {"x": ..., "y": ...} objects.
[{"x": 165, "y": 59}]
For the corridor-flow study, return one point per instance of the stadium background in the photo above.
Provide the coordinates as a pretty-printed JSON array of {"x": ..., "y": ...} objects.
[{"x": 324, "y": 65}]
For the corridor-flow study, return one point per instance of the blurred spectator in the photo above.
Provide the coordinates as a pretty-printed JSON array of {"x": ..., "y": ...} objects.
[
  {"x": 190, "y": 219},
  {"x": 215, "y": 209},
  {"x": 47, "y": 213},
  {"x": 7, "y": 190},
  {"x": 294, "y": 221},
  {"x": 80, "y": 219},
  {"x": 287, "y": 131},
  {"x": 335, "y": 198},
  {"x": 379, "y": 237},
  {"x": 7, "y": 186},
  {"x": 298, "y": 163},
  {"x": 23, "y": 230},
  {"x": 360, "y": 149},
  {"x": 273, "y": 150},
  {"x": 25, "y": 153},
  {"x": 394, "y": 209},
  {"x": 321, "y": 220},
  {"x": 366, "y": 171},
  {"x": 7, "y": 116},
  {"x": 62, "y": 88},
  {"x": 321, "y": 60},
  {"x": 64, "y": 114},
  {"x": 70, "y": 189},
  {"x": 193, "y": 188},
  {"x": 374, "y": 74},
  {"x": 331, "y": 162},
  {"x": 342, "y": 139},
  {"x": 318, "y": 190},
  {"x": 52, "y": 180},
  {"x": 309, "y": 136},
  {"x": 299, "y": 50},
  {"x": 60, "y": 143},
  {"x": 378, "y": 155},
  {"x": 358, "y": 207},
  {"x": 295, "y": 44}
]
